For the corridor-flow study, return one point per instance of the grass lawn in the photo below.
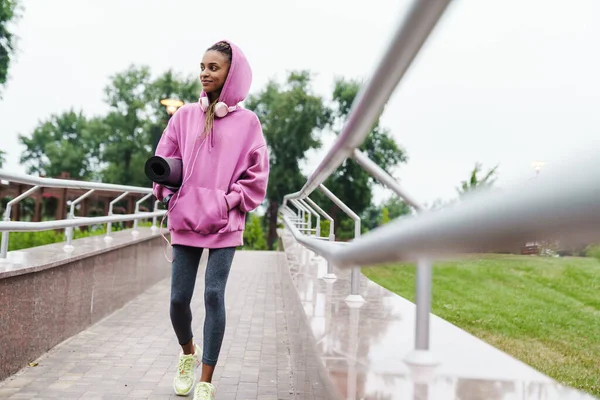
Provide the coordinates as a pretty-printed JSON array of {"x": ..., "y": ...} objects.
[{"x": 543, "y": 311}]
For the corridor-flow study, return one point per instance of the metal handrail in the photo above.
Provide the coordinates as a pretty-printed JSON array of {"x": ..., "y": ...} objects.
[
  {"x": 565, "y": 204},
  {"x": 18, "y": 226},
  {"x": 7, "y": 226},
  {"x": 69, "y": 184},
  {"x": 313, "y": 212},
  {"x": 325, "y": 215},
  {"x": 370, "y": 101}
]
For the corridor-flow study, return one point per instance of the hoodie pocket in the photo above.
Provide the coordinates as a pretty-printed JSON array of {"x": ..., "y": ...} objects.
[{"x": 200, "y": 209}]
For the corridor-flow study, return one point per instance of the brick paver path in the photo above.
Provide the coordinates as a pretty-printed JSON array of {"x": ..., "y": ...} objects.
[{"x": 132, "y": 354}]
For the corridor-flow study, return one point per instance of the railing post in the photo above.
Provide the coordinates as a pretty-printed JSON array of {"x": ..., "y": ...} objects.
[
  {"x": 135, "y": 231},
  {"x": 109, "y": 238},
  {"x": 421, "y": 355},
  {"x": 7, "y": 212},
  {"x": 354, "y": 295},
  {"x": 306, "y": 225},
  {"x": 383, "y": 177},
  {"x": 317, "y": 216},
  {"x": 304, "y": 214},
  {"x": 154, "y": 228},
  {"x": 7, "y": 226},
  {"x": 4, "y": 243},
  {"x": 330, "y": 273},
  {"x": 68, "y": 247}
]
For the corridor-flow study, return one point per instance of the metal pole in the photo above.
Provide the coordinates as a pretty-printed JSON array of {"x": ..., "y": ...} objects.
[
  {"x": 325, "y": 215},
  {"x": 135, "y": 231},
  {"x": 68, "y": 247},
  {"x": 7, "y": 212},
  {"x": 421, "y": 356},
  {"x": 109, "y": 238},
  {"x": 308, "y": 222},
  {"x": 313, "y": 212},
  {"x": 416, "y": 26},
  {"x": 330, "y": 275},
  {"x": 301, "y": 218},
  {"x": 355, "y": 274},
  {"x": 382, "y": 176},
  {"x": 423, "y": 303},
  {"x": 154, "y": 228},
  {"x": 304, "y": 211}
]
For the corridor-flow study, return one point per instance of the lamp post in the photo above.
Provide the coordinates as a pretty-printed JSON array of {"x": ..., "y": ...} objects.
[{"x": 171, "y": 105}]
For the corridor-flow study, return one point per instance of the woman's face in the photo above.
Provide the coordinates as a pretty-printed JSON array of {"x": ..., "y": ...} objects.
[{"x": 214, "y": 69}]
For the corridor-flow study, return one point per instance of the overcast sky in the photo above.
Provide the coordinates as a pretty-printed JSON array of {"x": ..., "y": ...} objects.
[{"x": 502, "y": 82}]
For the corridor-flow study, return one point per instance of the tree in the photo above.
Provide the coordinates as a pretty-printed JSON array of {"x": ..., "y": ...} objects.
[
  {"x": 391, "y": 209},
  {"x": 136, "y": 120},
  {"x": 475, "y": 181},
  {"x": 254, "y": 237},
  {"x": 2, "y": 158},
  {"x": 385, "y": 216},
  {"x": 112, "y": 148},
  {"x": 127, "y": 143},
  {"x": 350, "y": 182},
  {"x": 169, "y": 85},
  {"x": 62, "y": 143},
  {"x": 8, "y": 13},
  {"x": 291, "y": 117},
  {"x": 397, "y": 207}
]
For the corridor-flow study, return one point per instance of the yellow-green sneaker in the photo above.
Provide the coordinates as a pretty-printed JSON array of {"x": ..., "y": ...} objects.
[
  {"x": 185, "y": 377},
  {"x": 204, "y": 391}
]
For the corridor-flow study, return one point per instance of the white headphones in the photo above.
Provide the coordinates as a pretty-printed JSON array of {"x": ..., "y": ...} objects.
[{"x": 221, "y": 109}]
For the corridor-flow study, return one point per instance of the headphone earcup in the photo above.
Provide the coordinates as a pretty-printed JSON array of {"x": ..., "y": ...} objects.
[
  {"x": 204, "y": 103},
  {"x": 221, "y": 110}
]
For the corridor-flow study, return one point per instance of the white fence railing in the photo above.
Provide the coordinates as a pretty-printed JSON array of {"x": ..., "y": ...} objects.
[
  {"x": 36, "y": 183},
  {"x": 565, "y": 205}
]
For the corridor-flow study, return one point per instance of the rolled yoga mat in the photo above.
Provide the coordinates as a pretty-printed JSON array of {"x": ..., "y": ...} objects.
[{"x": 164, "y": 171}]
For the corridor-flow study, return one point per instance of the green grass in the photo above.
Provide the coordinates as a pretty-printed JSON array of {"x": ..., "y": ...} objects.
[{"x": 543, "y": 311}]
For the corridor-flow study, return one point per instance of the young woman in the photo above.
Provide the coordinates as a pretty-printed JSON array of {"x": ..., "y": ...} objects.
[{"x": 226, "y": 168}]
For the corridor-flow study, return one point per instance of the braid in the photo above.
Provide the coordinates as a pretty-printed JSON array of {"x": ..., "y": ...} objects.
[
  {"x": 222, "y": 47},
  {"x": 210, "y": 118},
  {"x": 225, "y": 49}
]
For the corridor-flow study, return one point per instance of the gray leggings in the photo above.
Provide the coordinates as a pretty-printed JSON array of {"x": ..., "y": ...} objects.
[{"x": 183, "y": 280}]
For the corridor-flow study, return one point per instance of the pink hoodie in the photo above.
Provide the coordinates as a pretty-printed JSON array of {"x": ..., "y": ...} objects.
[{"x": 229, "y": 168}]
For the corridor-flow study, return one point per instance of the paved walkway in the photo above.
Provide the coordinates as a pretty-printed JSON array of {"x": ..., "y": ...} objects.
[{"x": 132, "y": 354}]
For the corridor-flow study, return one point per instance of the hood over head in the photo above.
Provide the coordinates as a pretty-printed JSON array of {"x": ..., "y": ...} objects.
[{"x": 239, "y": 79}]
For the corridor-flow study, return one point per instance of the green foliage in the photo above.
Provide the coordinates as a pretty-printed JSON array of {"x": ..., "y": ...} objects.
[
  {"x": 127, "y": 143},
  {"x": 345, "y": 229},
  {"x": 254, "y": 237},
  {"x": 593, "y": 251},
  {"x": 25, "y": 240},
  {"x": 168, "y": 85},
  {"x": 393, "y": 208},
  {"x": 119, "y": 142},
  {"x": 385, "y": 216},
  {"x": 8, "y": 13},
  {"x": 2, "y": 158},
  {"x": 324, "y": 228},
  {"x": 292, "y": 117},
  {"x": 63, "y": 143},
  {"x": 475, "y": 182}
]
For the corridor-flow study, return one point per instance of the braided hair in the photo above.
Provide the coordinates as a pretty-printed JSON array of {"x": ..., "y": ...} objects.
[{"x": 225, "y": 49}]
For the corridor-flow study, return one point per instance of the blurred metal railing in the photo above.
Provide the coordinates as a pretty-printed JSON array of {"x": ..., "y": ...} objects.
[
  {"x": 7, "y": 226},
  {"x": 566, "y": 204}
]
